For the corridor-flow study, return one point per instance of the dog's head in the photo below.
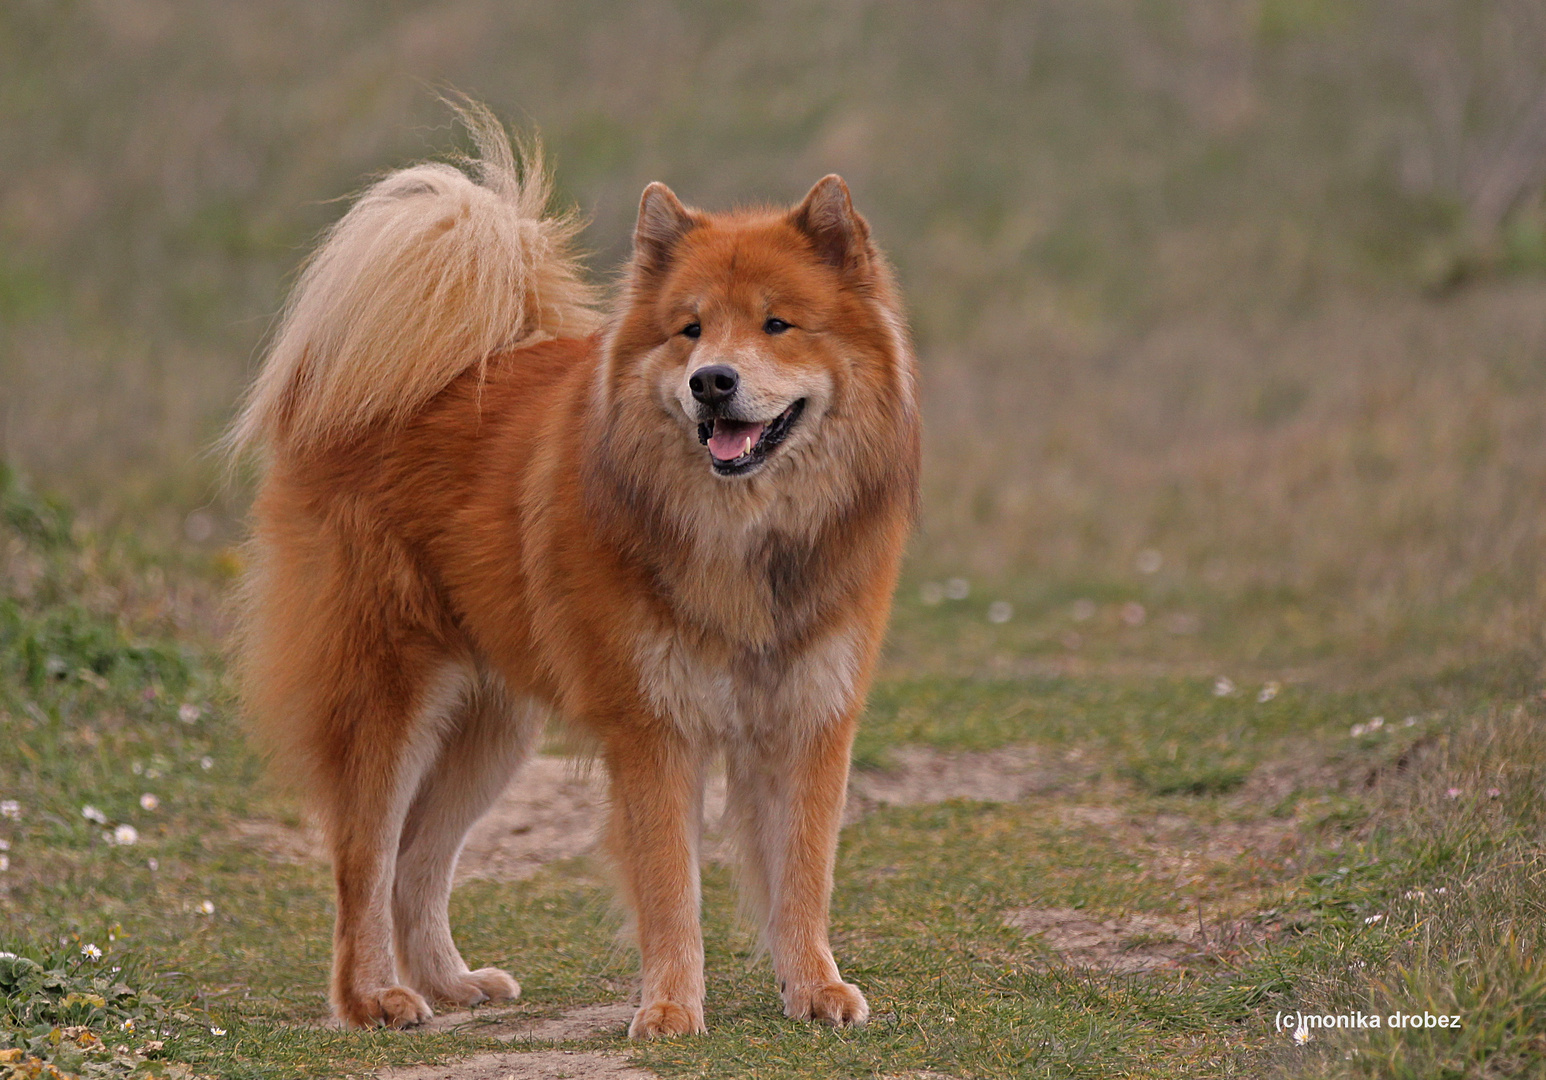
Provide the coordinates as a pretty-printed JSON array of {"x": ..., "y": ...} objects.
[{"x": 761, "y": 339}]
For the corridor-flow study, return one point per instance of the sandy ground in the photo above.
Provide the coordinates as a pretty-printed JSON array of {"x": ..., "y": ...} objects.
[
  {"x": 1124, "y": 945},
  {"x": 513, "y": 1025},
  {"x": 537, "y": 1065},
  {"x": 1135, "y": 943}
]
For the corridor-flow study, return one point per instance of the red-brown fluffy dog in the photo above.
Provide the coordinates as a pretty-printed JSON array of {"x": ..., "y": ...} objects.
[{"x": 676, "y": 528}]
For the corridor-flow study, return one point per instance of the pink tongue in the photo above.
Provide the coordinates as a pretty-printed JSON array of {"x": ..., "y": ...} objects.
[{"x": 729, "y": 439}]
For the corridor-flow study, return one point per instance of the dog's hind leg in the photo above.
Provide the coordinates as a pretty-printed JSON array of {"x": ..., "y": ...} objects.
[
  {"x": 387, "y": 721},
  {"x": 491, "y": 737}
]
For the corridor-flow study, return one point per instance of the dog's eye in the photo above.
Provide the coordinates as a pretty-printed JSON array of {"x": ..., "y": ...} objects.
[
  {"x": 692, "y": 330},
  {"x": 774, "y": 326}
]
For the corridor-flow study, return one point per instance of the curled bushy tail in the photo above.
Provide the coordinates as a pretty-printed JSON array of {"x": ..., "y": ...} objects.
[{"x": 427, "y": 275}]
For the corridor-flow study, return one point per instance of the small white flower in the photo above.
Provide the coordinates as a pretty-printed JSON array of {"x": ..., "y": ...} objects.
[
  {"x": 1083, "y": 610},
  {"x": 217, "y": 1031},
  {"x": 138, "y": 768},
  {"x": 91, "y": 813},
  {"x": 189, "y": 713},
  {"x": 931, "y": 592},
  {"x": 1410, "y": 721},
  {"x": 1134, "y": 613},
  {"x": 154, "y": 864},
  {"x": 149, "y": 801},
  {"x": 1149, "y": 561},
  {"x": 1000, "y": 611},
  {"x": 1372, "y": 919},
  {"x": 128, "y": 1025},
  {"x": 1268, "y": 692},
  {"x": 957, "y": 588},
  {"x": 1454, "y": 793},
  {"x": 1377, "y": 723},
  {"x": 5, "y": 862},
  {"x": 1358, "y": 730},
  {"x": 1223, "y": 686},
  {"x": 206, "y": 907},
  {"x": 126, "y": 835},
  {"x": 1301, "y": 1034},
  {"x": 5, "y": 845},
  {"x": 7, "y": 956},
  {"x": 91, "y": 952},
  {"x": 206, "y": 762},
  {"x": 10, "y": 808}
]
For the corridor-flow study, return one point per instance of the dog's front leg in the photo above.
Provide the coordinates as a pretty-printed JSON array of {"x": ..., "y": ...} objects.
[
  {"x": 787, "y": 799},
  {"x": 657, "y": 791}
]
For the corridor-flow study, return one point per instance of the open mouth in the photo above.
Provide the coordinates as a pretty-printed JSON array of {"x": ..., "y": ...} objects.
[{"x": 739, "y": 446}]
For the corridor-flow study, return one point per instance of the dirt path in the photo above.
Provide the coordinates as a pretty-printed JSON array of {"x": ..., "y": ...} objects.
[
  {"x": 535, "y": 1065},
  {"x": 515, "y": 1025}
]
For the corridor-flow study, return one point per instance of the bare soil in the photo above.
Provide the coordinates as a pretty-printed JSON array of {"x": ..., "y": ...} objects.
[
  {"x": 922, "y": 774},
  {"x": 1125, "y": 945},
  {"x": 513, "y": 1024},
  {"x": 1130, "y": 944},
  {"x": 537, "y": 1065}
]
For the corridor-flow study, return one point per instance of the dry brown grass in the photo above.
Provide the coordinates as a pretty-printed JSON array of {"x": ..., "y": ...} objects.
[{"x": 1378, "y": 459}]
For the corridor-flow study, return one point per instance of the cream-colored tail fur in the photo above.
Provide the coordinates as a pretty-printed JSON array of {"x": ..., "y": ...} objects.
[{"x": 427, "y": 275}]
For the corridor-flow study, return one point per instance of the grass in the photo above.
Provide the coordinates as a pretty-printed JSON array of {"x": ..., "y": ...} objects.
[{"x": 1432, "y": 824}]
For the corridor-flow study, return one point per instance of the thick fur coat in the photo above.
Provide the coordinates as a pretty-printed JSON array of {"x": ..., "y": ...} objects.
[{"x": 675, "y": 528}]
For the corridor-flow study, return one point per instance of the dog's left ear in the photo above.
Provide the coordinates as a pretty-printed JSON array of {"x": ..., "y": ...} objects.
[{"x": 840, "y": 236}]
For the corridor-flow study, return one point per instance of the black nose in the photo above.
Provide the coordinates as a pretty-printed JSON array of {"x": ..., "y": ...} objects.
[{"x": 714, "y": 383}]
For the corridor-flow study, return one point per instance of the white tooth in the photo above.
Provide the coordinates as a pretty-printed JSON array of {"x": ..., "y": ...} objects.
[{"x": 748, "y": 447}]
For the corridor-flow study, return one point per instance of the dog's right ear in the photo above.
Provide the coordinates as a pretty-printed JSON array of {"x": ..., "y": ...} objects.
[{"x": 663, "y": 221}]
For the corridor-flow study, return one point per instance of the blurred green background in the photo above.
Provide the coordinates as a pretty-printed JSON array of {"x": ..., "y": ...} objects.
[{"x": 1236, "y": 308}]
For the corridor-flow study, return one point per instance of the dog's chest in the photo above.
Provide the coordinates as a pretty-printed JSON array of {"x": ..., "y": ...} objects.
[{"x": 713, "y": 692}]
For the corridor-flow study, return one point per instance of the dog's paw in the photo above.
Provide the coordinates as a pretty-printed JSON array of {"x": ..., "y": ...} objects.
[
  {"x": 476, "y": 987},
  {"x": 661, "y": 1019},
  {"x": 393, "y": 1006},
  {"x": 838, "y": 1003}
]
